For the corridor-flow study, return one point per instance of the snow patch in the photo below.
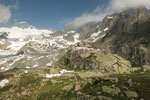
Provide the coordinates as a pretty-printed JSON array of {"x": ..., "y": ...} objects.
[
  {"x": 40, "y": 57},
  {"x": 52, "y": 75},
  {"x": 100, "y": 37},
  {"x": 2, "y": 68},
  {"x": 66, "y": 35},
  {"x": 97, "y": 27},
  {"x": 71, "y": 32},
  {"x": 35, "y": 66},
  {"x": 26, "y": 71},
  {"x": 28, "y": 67},
  {"x": 3, "y": 82},
  {"x": 103, "y": 35},
  {"x": 7, "y": 69},
  {"x": 76, "y": 37},
  {"x": 65, "y": 71},
  {"x": 56, "y": 75},
  {"x": 17, "y": 59},
  {"x": 106, "y": 29},
  {"x": 94, "y": 35},
  {"x": 16, "y": 45},
  {"x": 110, "y": 17},
  {"x": 2, "y": 42},
  {"x": 49, "y": 64}
]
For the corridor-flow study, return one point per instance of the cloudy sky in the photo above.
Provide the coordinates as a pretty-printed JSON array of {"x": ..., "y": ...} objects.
[{"x": 57, "y": 14}]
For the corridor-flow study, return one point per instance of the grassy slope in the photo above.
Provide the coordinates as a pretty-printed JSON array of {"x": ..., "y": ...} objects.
[{"x": 34, "y": 86}]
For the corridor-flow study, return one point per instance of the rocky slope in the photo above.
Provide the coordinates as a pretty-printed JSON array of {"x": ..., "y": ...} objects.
[{"x": 128, "y": 35}]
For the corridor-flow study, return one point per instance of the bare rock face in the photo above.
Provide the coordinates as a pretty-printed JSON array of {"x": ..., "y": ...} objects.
[{"x": 128, "y": 35}]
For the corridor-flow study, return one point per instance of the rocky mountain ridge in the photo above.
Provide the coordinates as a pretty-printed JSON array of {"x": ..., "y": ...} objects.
[{"x": 127, "y": 35}]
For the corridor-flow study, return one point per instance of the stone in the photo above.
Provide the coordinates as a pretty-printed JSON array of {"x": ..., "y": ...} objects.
[
  {"x": 109, "y": 90},
  {"x": 131, "y": 94},
  {"x": 145, "y": 68},
  {"x": 124, "y": 88},
  {"x": 141, "y": 99},
  {"x": 103, "y": 98},
  {"x": 113, "y": 80},
  {"x": 129, "y": 82},
  {"x": 113, "y": 85},
  {"x": 77, "y": 87},
  {"x": 118, "y": 89},
  {"x": 138, "y": 84},
  {"x": 99, "y": 93}
]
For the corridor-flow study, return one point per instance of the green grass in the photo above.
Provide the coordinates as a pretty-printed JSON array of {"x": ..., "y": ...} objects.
[
  {"x": 31, "y": 86},
  {"x": 144, "y": 79},
  {"x": 29, "y": 79},
  {"x": 55, "y": 91},
  {"x": 66, "y": 61}
]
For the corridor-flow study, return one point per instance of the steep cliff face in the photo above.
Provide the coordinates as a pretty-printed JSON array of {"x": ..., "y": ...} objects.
[{"x": 128, "y": 35}]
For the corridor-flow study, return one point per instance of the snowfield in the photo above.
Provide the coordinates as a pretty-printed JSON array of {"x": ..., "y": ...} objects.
[{"x": 56, "y": 75}]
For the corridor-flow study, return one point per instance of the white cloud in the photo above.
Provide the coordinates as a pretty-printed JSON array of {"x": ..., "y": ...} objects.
[
  {"x": 126, "y": 4},
  {"x": 94, "y": 16},
  {"x": 113, "y": 6},
  {"x": 5, "y": 14}
]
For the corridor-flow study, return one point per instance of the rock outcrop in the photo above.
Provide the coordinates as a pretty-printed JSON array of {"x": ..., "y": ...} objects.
[{"x": 83, "y": 56}]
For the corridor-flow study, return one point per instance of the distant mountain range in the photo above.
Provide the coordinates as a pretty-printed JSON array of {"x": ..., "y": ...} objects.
[{"x": 126, "y": 33}]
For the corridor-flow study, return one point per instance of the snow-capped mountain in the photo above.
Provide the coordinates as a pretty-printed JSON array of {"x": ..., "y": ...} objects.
[{"x": 23, "y": 45}]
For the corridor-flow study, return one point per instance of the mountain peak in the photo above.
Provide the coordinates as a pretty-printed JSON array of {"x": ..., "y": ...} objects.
[
  {"x": 23, "y": 25},
  {"x": 136, "y": 10}
]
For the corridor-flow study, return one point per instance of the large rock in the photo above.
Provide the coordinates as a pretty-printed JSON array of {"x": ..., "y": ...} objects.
[
  {"x": 130, "y": 94},
  {"x": 109, "y": 90}
]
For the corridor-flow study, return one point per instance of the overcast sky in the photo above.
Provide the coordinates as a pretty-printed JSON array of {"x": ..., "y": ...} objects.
[{"x": 56, "y": 14}]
